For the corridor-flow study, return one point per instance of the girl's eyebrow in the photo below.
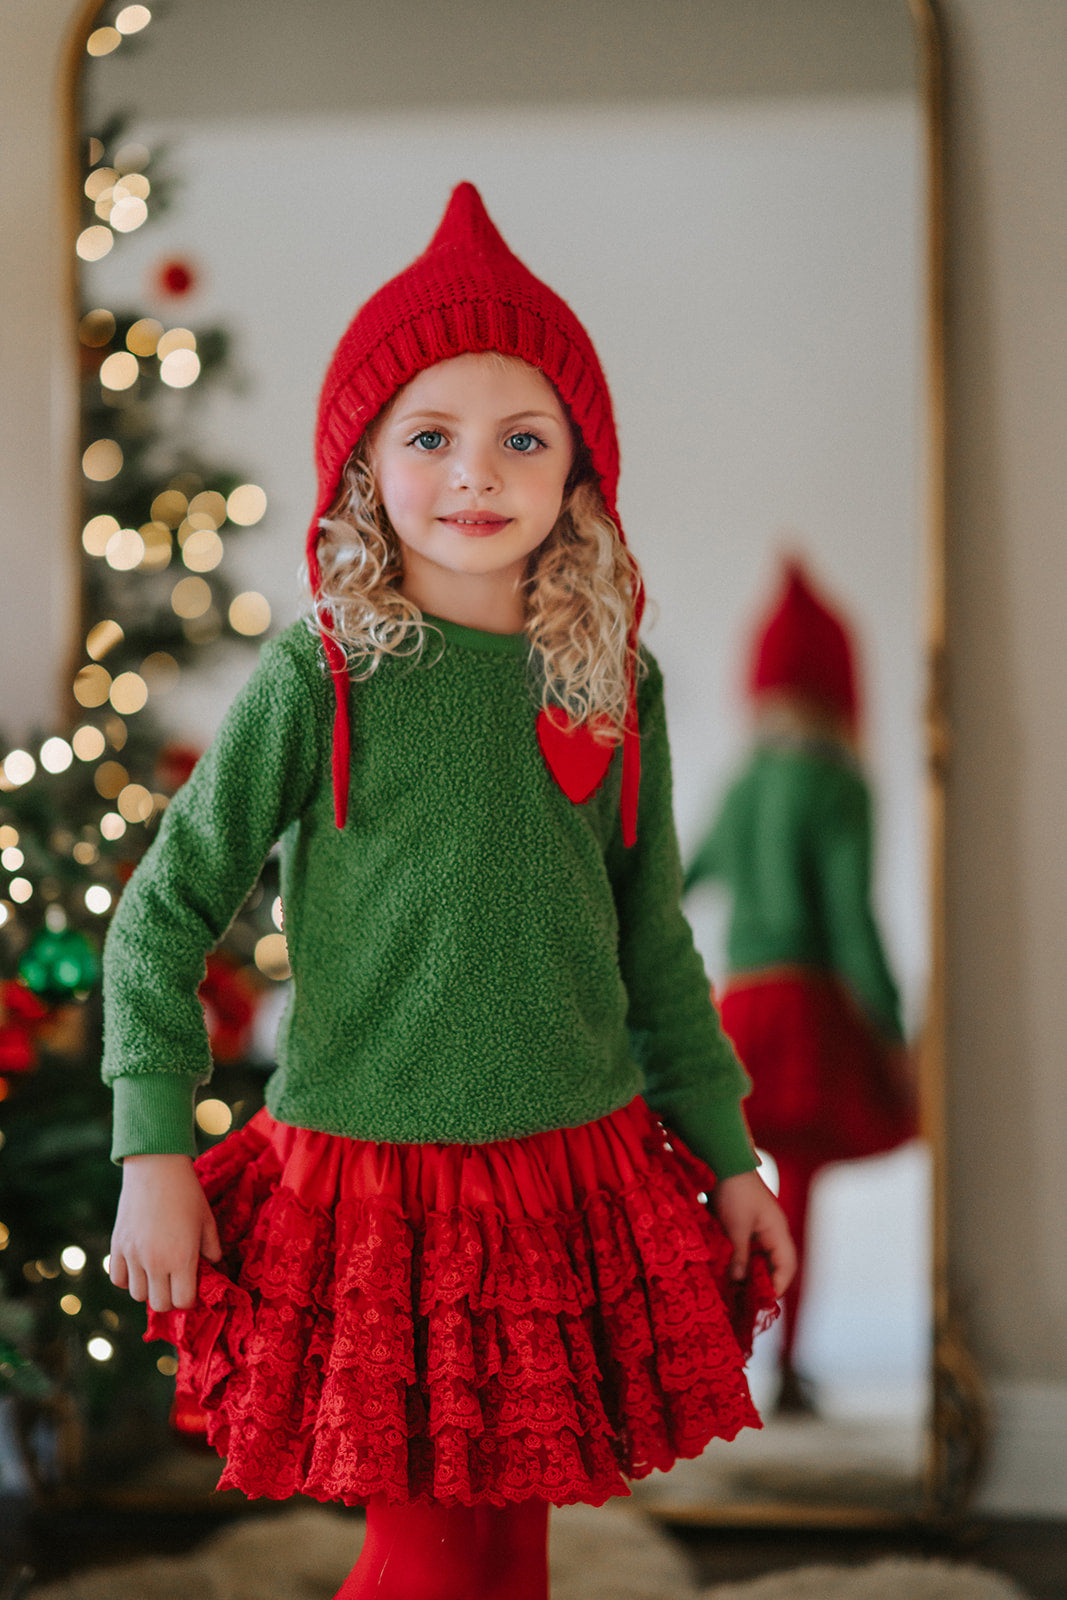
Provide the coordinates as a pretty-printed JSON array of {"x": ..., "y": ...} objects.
[{"x": 448, "y": 416}]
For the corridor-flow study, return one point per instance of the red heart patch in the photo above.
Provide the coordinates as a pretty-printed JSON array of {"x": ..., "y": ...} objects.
[{"x": 575, "y": 759}]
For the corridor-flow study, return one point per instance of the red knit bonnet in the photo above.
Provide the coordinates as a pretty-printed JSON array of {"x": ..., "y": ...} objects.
[
  {"x": 805, "y": 648},
  {"x": 468, "y": 292}
]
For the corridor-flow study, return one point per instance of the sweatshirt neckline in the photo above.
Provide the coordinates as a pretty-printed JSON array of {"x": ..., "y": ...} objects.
[{"x": 497, "y": 644}]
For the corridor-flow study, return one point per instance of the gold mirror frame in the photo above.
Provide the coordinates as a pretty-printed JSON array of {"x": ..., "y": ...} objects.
[{"x": 957, "y": 1434}]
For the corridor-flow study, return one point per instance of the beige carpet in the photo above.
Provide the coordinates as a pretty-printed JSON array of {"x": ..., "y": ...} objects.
[{"x": 606, "y": 1554}]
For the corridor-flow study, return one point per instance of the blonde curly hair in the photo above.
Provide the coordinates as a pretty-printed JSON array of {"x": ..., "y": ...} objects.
[{"x": 581, "y": 589}]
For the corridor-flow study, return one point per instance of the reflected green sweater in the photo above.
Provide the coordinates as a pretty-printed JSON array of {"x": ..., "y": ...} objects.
[
  {"x": 793, "y": 844},
  {"x": 474, "y": 957}
]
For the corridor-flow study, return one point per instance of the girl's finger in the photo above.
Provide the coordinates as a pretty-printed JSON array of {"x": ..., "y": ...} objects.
[
  {"x": 159, "y": 1292},
  {"x": 210, "y": 1247},
  {"x": 117, "y": 1271},
  {"x": 739, "y": 1264},
  {"x": 138, "y": 1282},
  {"x": 183, "y": 1288}
]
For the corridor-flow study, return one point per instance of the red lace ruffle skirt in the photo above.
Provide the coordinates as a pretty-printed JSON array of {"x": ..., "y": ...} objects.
[{"x": 543, "y": 1316}]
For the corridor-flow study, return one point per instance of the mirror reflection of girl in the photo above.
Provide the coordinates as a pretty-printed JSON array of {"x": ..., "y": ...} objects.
[
  {"x": 810, "y": 1003},
  {"x": 463, "y": 1265}
]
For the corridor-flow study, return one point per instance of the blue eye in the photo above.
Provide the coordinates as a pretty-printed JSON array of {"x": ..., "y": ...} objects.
[
  {"x": 525, "y": 443},
  {"x": 429, "y": 439}
]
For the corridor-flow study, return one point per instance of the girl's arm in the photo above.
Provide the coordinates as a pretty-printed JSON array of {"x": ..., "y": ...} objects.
[
  {"x": 842, "y": 855},
  {"x": 261, "y": 770},
  {"x": 164, "y": 1225},
  {"x": 693, "y": 1079}
]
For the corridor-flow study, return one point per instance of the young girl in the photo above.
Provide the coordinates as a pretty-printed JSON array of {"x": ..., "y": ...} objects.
[
  {"x": 810, "y": 1004},
  {"x": 463, "y": 1265}
]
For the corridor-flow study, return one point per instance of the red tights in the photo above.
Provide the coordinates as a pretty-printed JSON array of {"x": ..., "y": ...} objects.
[
  {"x": 795, "y": 1177},
  {"x": 427, "y": 1551}
]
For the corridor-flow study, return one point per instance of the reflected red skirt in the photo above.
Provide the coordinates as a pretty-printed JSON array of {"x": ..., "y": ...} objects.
[
  {"x": 822, "y": 1087},
  {"x": 542, "y": 1316}
]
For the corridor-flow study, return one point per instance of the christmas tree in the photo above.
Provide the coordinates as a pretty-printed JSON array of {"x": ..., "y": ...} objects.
[{"x": 78, "y": 807}]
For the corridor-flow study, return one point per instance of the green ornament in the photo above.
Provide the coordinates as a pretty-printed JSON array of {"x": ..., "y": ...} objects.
[{"x": 56, "y": 965}]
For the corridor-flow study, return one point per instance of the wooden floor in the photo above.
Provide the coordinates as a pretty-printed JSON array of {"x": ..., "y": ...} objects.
[{"x": 1033, "y": 1552}]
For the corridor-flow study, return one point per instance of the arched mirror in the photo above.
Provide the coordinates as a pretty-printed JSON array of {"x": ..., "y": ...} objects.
[{"x": 736, "y": 200}]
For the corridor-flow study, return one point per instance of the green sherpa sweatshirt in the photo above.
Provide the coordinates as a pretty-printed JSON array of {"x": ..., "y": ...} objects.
[
  {"x": 474, "y": 956},
  {"x": 793, "y": 842}
]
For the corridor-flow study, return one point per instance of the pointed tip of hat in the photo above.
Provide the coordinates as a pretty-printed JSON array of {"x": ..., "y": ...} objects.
[
  {"x": 467, "y": 222},
  {"x": 795, "y": 574}
]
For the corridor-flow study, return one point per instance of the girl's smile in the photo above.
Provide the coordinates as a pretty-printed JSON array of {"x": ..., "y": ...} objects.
[{"x": 471, "y": 461}]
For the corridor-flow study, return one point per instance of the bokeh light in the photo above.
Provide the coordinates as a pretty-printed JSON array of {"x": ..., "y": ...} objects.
[
  {"x": 131, "y": 19},
  {"x": 102, "y": 41},
  {"x": 129, "y": 692},
  {"x": 179, "y": 368},
  {"x": 102, "y": 460},
  {"x": 214, "y": 1117},
  {"x": 120, "y": 371},
  {"x": 144, "y": 336},
  {"x": 109, "y": 779},
  {"x": 246, "y": 504},
  {"x": 56, "y": 755},
  {"x": 135, "y": 803},
  {"x": 191, "y": 597},
  {"x": 19, "y": 767},
  {"x": 272, "y": 956},
  {"x": 101, "y": 638},
  {"x": 93, "y": 243},
  {"x": 96, "y": 328},
  {"x": 124, "y": 550},
  {"x": 97, "y": 532},
  {"x": 250, "y": 613},
  {"x": 88, "y": 742}
]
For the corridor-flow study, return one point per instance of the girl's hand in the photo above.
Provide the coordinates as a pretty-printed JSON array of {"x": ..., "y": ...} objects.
[
  {"x": 752, "y": 1216},
  {"x": 164, "y": 1224}
]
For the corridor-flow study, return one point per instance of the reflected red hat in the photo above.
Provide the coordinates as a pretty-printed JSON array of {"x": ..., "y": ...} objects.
[
  {"x": 805, "y": 647},
  {"x": 466, "y": 292}
]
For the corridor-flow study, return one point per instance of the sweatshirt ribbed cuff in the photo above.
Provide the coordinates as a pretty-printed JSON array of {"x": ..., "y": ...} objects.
[
  {"x": 731, "y": 1149},
  {"x": 153, "y": 1115}
]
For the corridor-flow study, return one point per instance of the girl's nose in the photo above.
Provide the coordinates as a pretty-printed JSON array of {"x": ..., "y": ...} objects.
[{"x": 476, "y": 469}]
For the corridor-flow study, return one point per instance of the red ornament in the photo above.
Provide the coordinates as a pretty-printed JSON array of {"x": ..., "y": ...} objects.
[
  {"x": 21, "y": 1014},
  {"x": 229, "y": 999},
  {"x": 174, "y": 764},
  {"x": 174, "y": 278}
]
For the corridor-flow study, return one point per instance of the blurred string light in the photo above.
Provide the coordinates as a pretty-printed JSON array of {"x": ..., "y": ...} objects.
[
  {"x": 102, "y": 637},
  {"x": 131, "y": 19},
  {"x": 214, "y": 1117},
  {"x": 246, "y": 505},
  {"x": 120, "y": 191},
  {"x": 249, "y": 613},
  {"x": 56, "y": 755},
  {"x": 272, "y": 957},
  {"x": 19, "y": 767},
  {"x": 98, "y": 899},
  {"x": 102, "y": 461}
]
